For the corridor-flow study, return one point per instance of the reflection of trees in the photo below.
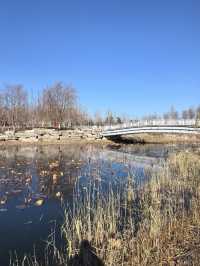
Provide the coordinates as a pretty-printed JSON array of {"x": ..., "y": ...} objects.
[
  {"x": 58, "y": 173},
  {"x": 50, "y": 172},
  {"x": 15, "y": 176}
]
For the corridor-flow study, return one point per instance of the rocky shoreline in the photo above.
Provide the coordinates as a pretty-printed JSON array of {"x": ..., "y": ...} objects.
[{"x": 51, "y": 135}]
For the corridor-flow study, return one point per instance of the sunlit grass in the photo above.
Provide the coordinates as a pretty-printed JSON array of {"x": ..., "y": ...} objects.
[{"x": 157, "y": 223}]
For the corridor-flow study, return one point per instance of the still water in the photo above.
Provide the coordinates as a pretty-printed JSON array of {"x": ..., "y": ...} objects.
[{"x": 34, "y": 180}]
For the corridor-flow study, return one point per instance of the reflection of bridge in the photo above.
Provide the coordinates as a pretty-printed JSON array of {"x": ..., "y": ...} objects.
[{"x": 153, "y": 126}]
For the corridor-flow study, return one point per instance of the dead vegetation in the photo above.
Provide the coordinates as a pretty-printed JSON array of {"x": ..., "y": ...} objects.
[
  {"x": 156, "y": 138},
  {"x": 157, "y": 223}
]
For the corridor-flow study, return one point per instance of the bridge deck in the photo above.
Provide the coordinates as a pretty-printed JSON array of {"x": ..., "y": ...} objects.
[{"x": 151, "y": 129}]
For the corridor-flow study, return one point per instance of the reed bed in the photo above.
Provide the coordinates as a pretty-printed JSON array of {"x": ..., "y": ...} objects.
[{"x": 156, "y": 223}]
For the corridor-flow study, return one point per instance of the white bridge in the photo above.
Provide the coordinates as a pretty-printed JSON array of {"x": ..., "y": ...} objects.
[{"x": 153, "y": 126}]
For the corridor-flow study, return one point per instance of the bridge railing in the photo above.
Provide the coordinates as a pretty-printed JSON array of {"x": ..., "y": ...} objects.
[{"x": 158, "y": 122}]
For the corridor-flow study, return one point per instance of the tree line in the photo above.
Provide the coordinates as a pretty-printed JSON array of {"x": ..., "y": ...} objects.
[
  {"x": 172, "y": 114},
  {"x": 57, "y": 106}
]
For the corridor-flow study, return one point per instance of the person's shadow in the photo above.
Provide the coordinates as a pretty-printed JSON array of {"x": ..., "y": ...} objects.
[{"x": 86, "y": 256}]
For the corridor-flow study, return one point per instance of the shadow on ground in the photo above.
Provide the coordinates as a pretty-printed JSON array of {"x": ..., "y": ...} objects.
[{"x": 86, "y": 256}]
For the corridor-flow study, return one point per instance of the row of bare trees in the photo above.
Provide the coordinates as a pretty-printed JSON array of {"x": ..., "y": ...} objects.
[
  {"x": 56, "y": 106},
  {"x": 173, "y": 114}
]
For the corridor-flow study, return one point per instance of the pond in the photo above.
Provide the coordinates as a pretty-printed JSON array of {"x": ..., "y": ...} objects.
[{"x": 35, "y": 181}]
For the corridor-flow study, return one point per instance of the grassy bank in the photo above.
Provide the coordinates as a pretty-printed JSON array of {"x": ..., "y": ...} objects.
[
  {"x": 157, "y": 223},
  {"x": 153, "y": 138}
]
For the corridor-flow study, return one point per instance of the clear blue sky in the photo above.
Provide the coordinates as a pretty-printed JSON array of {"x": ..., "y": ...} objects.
[{"x": 129, "y": 56}]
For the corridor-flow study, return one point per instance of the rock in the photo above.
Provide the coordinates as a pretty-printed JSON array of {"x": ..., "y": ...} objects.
[
  {"x": 9, "y": 133},
  {"x": 48, "y": 135}
]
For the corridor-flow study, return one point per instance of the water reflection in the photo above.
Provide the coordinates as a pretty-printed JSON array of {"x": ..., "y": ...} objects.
[
  {"x": 34, "y": 180},
  {"x": 36, "y": 174}
]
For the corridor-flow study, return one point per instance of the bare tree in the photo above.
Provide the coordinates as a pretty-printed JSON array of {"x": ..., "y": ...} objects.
[
  {"x": 184, "y": 114},
  {"x": 118, "y": 120},
  {"x": 191, "y": 113},
  {"x": 151, "y": 117},
  {"x": 16, "y": 105},
  {"x": 173, "y": 114},
  {"x": 166, "y": 116},
  {"x": 198, "y": 112},
  {"x": 98, "y": 120},
  {"x": 109, "y": 120},
  {"x": 3, "y": 117},
  {"x": 58, "y": 104}
]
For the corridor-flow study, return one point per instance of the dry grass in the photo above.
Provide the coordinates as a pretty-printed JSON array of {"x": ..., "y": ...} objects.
[
  {"x": 163, "y": 138},
  {"x": 157, "y": 223}
]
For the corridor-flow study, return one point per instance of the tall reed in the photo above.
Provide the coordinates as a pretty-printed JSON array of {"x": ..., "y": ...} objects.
[{"x": 155, "y": 223}]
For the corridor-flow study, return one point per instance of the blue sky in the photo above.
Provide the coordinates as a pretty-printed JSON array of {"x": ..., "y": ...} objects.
[{"x": 130, "y": 56}]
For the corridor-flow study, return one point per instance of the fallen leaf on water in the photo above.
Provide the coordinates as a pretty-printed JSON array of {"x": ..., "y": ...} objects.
[
  {"x": 58, "y": 194},
  {"x": 39, "y": 202},
  {"x": 3, "y": 200}
]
